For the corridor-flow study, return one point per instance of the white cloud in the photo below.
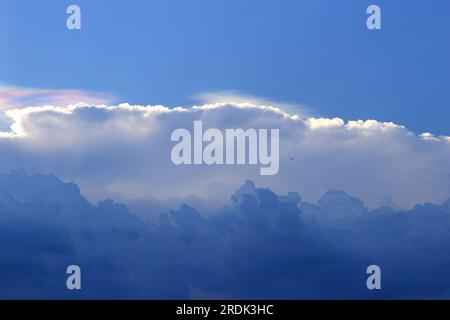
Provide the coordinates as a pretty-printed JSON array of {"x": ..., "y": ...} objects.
[
  {"x": 318, "y": 123},
  {"x": 239, "y": 98},
  {"x": 123, "y": 152}
]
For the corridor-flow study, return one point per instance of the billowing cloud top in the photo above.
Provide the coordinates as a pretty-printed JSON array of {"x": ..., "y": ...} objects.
[{"x": 123, "y": 151}]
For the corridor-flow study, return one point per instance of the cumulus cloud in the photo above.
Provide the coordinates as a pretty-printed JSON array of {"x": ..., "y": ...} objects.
[
  {"x": 123, "y": 151},
  {"x": 261, "y": 245}
]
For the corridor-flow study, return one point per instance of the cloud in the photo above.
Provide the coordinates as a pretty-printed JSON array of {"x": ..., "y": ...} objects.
[
  {"x": 234, "y": 97},
  {"x": 123, "y": 151},
  {"x": 261, "y": 245},
  {"x": 19, "y": 97}
]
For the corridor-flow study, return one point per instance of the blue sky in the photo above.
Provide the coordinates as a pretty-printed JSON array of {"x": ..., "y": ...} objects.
[
  {"x": 347, "y": 194},
  {"x": 314, "y": 53}
]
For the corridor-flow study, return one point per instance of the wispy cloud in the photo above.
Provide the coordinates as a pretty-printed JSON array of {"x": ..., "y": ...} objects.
[
  {"x": 236, "y": 97},
  {"x": 12, "y": 97}
]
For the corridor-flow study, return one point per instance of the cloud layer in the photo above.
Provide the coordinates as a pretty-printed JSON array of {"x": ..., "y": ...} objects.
[
  {"x": 124, "y": 152},
  {"x": 261, "y": 245}
]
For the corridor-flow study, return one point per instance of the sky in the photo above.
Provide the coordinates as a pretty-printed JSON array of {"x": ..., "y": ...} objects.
[
  {"x": 364, "y": 142},
  {"x": 317, "y": 57},
  {"x": 364, "y": 111}
]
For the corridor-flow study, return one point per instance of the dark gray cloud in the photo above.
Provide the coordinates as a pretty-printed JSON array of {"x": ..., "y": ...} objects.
[{"x": 260, "y": 245}]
